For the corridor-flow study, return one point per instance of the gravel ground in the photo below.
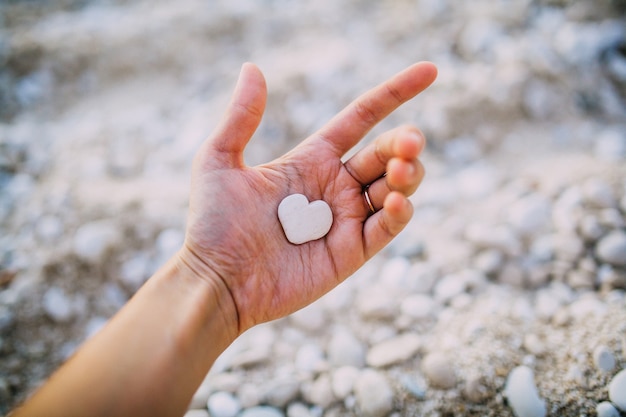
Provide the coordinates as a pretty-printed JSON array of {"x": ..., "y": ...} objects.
[{"x": 516, "y": 255}]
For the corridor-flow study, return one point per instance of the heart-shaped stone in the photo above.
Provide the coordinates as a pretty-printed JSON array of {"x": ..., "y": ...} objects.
[{"x": 303, "y": 221}]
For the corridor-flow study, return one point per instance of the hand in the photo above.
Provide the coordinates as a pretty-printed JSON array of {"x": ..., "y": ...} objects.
[{"x": 234, "y": 239}]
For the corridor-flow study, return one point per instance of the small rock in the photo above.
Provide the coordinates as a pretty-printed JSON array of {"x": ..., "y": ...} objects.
[
  {"x": 49, "y": 228},
  {"x": 282, "y": 391},
  {"x": 376, "y": 302},
  {"x": 310, "y": 318},
  {"x": 603, "y": 358},
  {"x": 320, "y": 392},
  {"x": 393, "y": 351},
  {"x": 533, "y": 344},
  {"x": 345, "y": 350},
  {"x": 610, "y": 145},
  {"x": 489, "y": 261},
  {"x": 606, "y": 409},
  {"x": 418, "y": 306},
  {"x": 577, "y": 375},
  {"x": 343, "y": 380},
  {"x": 617, "y": 390},
  {"x": 512, "y": 274},
  {"x": 590, "y": 228},
  {"x": 475, "y": 390},
  {"x": 530, "y": 214},
  {"x": 298, "y": 410},
  {"x": 579, "y": 279},
  {"x": 449, "y": 287},
  {"x": 612, "y": 248},
  {"x": 598, "y": 193},
  {"x": 261, "y": 411},
  {"x": 439, "y": 370},
  {"x": 135, "y": 271},
  {"x": 309, "y": 357},
  {"x": 521, "y": 393},
  {"x": 374, "y": 394},
  {"x": 249, "y": 395},
  {"x": 223, "y": 404},
  {"x": 93, "y": 240},
  {"x": 57, "y": 304}
]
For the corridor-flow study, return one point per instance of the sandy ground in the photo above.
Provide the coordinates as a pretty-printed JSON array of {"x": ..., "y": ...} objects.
[{"x": 103, "y": 104}]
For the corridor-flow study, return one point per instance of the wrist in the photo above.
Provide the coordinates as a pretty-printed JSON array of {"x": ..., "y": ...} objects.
[{"x": 203, "y": 276}]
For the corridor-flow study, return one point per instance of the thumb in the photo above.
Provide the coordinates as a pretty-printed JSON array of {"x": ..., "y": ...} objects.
[{"x": 242, "y": 116}]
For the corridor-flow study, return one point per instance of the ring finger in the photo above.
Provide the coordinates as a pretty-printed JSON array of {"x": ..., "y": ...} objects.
[{"x": 403, "y": 176}]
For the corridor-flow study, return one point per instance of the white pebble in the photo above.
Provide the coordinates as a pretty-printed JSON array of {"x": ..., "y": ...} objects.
[
  {"x": 345, "y": 349},
  {"x": 320, "y": 392},
  {"x": 309, "y": 357},
  {"x": 310, "y": 318},
  {"x": 261, "y": 411},
  {"x": 282, "y": 391},
  {"x": 612, "y": 248},
  {"x": 57, "y": 304},
  {"x": 606, "y": 409},
  {"x": 418, "y": 306},
  {"x": 522, "y": 395},
  {"x": 223, "y": 404},
  {"x": 395, "y": 350},
  {"x": 373, "y": 394},
  {"x": 93, "y": 240},
  {"x": 617, "y": 390},
  {"x": 298, "y": 410},
  {"x": 343, "y": 380},
  {"x": 439, "y": 371},
  {"x": 603, "y": 358}
]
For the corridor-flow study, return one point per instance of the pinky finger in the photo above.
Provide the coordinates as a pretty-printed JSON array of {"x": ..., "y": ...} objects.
[{"x": 382, "y": 227}]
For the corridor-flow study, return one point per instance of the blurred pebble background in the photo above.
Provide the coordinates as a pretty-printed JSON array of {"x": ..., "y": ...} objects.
[{"x": 516, "y": 255}]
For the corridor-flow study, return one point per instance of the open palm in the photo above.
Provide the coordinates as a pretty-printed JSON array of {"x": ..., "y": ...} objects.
[{"x": 234, "y": 237}]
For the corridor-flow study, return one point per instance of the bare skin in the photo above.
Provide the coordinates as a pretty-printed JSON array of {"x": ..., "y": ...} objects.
[{"x": 236, "y": 268}]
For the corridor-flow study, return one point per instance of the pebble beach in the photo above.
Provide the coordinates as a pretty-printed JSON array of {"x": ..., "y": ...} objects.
[{"x": 504, "y": 296}]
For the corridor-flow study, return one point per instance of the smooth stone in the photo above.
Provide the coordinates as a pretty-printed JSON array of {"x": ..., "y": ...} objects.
[
  {"x": 392, "y": 351},
  {"x": 617, "y": 390},
  {"x": 344, "y": 349},
  {"x": 310, "y": 318},
  {"x": 261, "y": 411},
  {"x": 309, "y": 357},
  {"x": 475, "y": 390},
  {"x": 249, "y": 395},
  {"x": 320, "y": 391},
  {"x": 521, "y": 393},
  {"x": 606, "y": 409},
  {"x": 612, "y": 248},
  {"x": 93, "y": 240},
  {"x": 530, "y": 214},
  {"x": 57, "y": 304},
  {"x": 598, "y": 193},
  {"x": 418, "y": 306},
  {"x": 298, "y": 410},
  {"x": 282, "y": 391},
  {"x": 603, "y": 358},
  {"x": 343, "y": 380},
  {"x": 223, "y": 404},
  {"x": 303, "y": 221},
  {"x": 439, "y": 371},
  {"x": 374, "y": 395}
]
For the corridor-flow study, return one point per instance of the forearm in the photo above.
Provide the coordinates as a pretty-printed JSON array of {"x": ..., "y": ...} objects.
[{"x": 152, "y": 355}]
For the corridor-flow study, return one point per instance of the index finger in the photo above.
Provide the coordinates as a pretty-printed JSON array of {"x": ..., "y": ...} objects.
[{"x": 349, "y": 126}]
